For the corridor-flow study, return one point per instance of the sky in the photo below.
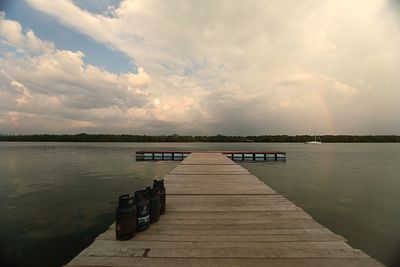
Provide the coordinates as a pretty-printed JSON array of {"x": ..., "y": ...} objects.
[{"x": 200, "y": 67}]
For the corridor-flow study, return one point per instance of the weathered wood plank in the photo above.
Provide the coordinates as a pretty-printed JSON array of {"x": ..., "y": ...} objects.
[
  {"x": 267, "y": 231},
  {"x": 241, "y": 226},
  {"x": 225, "y": 252},
  {"x": 112, "y": 247},
  {"x": 220, "y": 184},
  {"x": 212, "y": 262},
  {"x": 215, "y": 177},
  {"x": 227, "y": 202},
  {"x": 207, "y": 161},
  {"x": 223, "y": 204},
  {"x": 241, "y": 221},
  {"x": 209, "y": 170},
  {"x": 200, "y": 191},
  {"x": 235, "y": 215},
  {"x": 231, "y": 237},
  {"x": 245, "y": 223},
  {"x": 233, "y": 197},
  {"x": 272, "y": 222},
  {"x": 205, "y": 207},
  {"x": 260, "y": 200},
  {"x": 225, "y": 197}
]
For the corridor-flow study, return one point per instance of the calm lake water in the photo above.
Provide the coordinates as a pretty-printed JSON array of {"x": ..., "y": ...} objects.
[{"x": 55, "y": 198}]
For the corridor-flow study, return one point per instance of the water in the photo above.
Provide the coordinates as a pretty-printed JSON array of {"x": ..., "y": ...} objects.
[{"x": 55, "y": 198}]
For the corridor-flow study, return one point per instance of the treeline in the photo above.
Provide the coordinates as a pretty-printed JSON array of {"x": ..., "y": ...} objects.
[{"x": 188, "y": 138}]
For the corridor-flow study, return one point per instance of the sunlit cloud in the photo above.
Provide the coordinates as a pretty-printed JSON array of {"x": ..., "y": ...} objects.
[{"x": 208, "y": 67}]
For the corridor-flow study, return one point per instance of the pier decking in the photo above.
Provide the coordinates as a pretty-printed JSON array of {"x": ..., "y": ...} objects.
[{"x": 218, "y": 214}]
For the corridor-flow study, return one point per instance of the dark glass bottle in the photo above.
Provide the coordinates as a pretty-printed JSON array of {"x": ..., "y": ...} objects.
[
  {"x": 159, "y": 184},
  {"x": 142, "y": 210},
  {"x": 125, "y": 223},
  {"x": 155, "y": 206}
]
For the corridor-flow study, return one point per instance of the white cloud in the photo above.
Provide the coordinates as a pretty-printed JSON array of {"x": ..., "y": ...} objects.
[
  {"x": 12, "y": 34},
  {"x": 46, "y": 89},
  {"x": 231, "y": 66},
  {"x": 11, "y": 30}
]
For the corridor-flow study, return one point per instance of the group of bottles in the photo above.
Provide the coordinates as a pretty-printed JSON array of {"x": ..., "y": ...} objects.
[{"x": 134, "y": 214}]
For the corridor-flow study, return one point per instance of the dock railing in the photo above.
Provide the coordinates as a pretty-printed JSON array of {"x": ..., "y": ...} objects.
[{"x": 237, "y": 155}]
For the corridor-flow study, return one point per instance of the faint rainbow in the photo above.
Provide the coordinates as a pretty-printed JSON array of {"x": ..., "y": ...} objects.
[{"x": 326, "y": 115}]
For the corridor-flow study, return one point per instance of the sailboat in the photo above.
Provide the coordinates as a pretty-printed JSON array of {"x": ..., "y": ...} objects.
[{"x": 315, "y": 140}]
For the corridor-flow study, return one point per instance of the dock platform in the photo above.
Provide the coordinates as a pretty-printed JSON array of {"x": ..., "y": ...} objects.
[
  {"x": 218, "y": 214},
  {"x": 237, "y": 155}
]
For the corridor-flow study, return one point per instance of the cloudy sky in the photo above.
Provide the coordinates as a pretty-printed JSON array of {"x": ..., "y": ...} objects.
[{"x": 200, "y": 67}]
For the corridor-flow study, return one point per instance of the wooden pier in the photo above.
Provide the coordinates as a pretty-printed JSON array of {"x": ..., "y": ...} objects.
[
  {"x": 237, "y": 155},
  {"x": 218, "y": 214}
]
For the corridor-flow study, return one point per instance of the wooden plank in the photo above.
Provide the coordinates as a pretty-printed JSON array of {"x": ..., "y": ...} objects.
[
  {"x": 231, "y": 208},
  {"x": 209, "y": 170},
  {"x": 273, "y": 231},
  {"x": 198, "y": 192},
  {"x": 241, "y": 221},
  {"x": 234, "y": 215},
  {"x": 224, "y": 252},
  {"x": 112, "y": 247},
  {"x": 207, "y": 161},
  {"x": 288, "y": 225},
  {"x": 217, "y": 191},
  {"x": 220, "y": 184},
  {"x": 226, "y": 203},
  {"x": 203, "y": 167},
  {"x": 110, "y": 235},
  {"x": 252, "y": 199},
  {"x": 215, "y": 186},
  {"x": 212, "y": 262},
  {"x": 279, "y": 222},
  {"x": 201, "y": 189},
  {"x": 215, "y": 177},
  {"x": 225, "y": 197}
]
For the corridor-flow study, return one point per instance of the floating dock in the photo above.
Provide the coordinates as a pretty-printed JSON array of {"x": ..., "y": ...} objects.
[
  {"x": 218, "y": 214},
  {"x": 247, "y": 155}
]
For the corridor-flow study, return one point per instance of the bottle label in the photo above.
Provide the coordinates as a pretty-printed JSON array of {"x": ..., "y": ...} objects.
[
  {"x": 143, "y": 211},
  {"x": 143, "y": 219}
]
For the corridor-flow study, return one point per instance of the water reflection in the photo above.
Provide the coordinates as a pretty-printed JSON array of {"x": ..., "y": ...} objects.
[
  {"x": 55, "y": 198},
  {"x": 350, "y": 188}
]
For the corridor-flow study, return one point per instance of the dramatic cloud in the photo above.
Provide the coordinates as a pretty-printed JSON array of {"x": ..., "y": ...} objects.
[
  {"x": 233, "y": 67},
  {"x": 13, "y": 35},
  {"x": 45, "y": 89}
]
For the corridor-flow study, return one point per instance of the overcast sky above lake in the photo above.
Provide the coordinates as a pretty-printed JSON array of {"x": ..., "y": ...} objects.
[{"x": 200, "y": 67}]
